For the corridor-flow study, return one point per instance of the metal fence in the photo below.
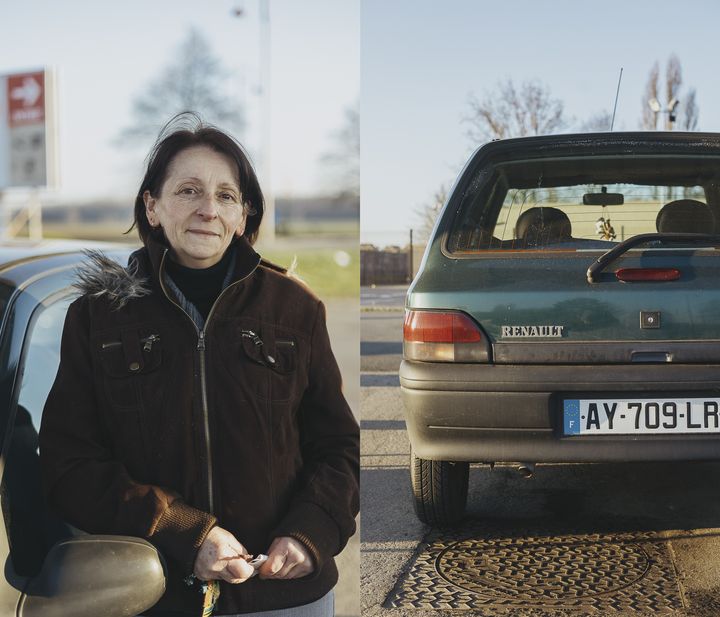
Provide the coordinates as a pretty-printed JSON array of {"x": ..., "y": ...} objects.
[{"x": 393, "y": 264}]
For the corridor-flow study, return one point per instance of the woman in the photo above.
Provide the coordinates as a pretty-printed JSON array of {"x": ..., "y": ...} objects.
[{"x": 198, "y": 403}]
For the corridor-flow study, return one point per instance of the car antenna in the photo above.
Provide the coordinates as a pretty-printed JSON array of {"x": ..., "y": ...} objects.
[{"x": 617, "y": 94}]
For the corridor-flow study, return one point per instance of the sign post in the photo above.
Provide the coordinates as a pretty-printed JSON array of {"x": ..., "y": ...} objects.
[{"x": 28, "y": 136}]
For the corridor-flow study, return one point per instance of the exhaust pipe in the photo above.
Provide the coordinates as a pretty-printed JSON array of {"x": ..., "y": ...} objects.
[{"x": 527, "y": 470}]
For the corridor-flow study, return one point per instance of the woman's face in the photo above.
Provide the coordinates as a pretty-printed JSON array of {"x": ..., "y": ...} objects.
[{"x": 200, "y": 206}]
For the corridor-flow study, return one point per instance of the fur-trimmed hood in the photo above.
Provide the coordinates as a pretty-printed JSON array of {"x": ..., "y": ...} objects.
[{"x": 102, "y": 276}]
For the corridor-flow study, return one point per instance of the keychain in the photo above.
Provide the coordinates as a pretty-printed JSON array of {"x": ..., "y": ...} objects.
[
  {"x": 211, "y": 589},
  {"x": 211, "y": 593}
]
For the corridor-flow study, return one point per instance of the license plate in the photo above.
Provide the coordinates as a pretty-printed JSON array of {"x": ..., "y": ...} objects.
[{"x": 641, "y": 416}]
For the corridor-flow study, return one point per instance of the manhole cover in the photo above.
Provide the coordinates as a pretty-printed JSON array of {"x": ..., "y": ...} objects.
[
  {"x": 610, "y": 573},
  {"x": 536, "y": 568}
]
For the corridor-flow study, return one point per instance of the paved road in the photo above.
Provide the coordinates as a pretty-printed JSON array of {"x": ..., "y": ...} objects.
[
  {"x": 385, "y": 296},
  {"x": 573, "y": 540},
  {"x": 381, "y": 327}
]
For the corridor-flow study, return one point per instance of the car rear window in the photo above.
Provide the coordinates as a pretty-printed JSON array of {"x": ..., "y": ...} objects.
[{"x": 584, "y": 203}]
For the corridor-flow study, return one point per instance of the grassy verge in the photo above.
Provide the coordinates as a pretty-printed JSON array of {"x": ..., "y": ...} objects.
[
  {"x": 318, "y": 228},
  {"x": 323, "y": 269}
]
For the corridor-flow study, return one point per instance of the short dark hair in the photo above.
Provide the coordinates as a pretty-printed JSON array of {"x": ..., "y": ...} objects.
[{"x": 184, "y": 131}]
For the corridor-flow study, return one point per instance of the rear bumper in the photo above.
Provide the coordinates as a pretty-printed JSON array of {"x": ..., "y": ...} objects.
[{"x": 509, "y": 413}]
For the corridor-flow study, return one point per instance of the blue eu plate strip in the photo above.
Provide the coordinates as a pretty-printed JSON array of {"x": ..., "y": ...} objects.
[{"x": 571, "y": 417}]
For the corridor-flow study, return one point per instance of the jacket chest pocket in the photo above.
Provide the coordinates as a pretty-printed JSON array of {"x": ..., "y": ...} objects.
[
  {"x": 269, "y": 362},
  {"x": 131, "y": 363}
]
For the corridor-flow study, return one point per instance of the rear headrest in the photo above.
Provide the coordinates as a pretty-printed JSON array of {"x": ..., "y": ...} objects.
[
  {"x": 685, "y": 216},
  {"x": 541, "y": 226}
]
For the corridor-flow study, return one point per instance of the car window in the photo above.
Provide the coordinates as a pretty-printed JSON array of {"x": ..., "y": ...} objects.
[
  {"x": 31, "y": 529},
  {"x": 588, "y": 203},
  {"x": 42, "y": 357}
]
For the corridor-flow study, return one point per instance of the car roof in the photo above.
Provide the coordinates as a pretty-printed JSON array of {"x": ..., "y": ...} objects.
[
  {"x": 635, "y": 142},
  {"x": 22, "y": 259}
]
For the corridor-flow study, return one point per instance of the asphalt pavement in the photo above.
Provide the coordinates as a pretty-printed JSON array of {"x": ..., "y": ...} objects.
[
  {"x": 383, "y": 297},
  {"x": 621, "y": 539},
  {"x": 390, "y": 533}
]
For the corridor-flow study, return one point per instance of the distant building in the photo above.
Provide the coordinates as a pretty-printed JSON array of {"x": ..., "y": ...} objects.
[
  {"x": 89, "y": 212},
  {"x": 336, "y": 208}
]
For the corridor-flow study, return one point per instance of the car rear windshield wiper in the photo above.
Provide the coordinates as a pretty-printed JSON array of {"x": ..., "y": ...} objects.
[{"x": 615, "y": 252}]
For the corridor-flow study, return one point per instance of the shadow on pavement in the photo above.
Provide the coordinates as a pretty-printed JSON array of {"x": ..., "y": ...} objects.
[
  {"x": 665, "y": 495},
  {"x": 380, "y": 348},
  {"x": 387, "y": 505},
  {"x": 611, "y": 497},
  {"x": 382, "y": 425},
  {"x": 379, "y": 381}
]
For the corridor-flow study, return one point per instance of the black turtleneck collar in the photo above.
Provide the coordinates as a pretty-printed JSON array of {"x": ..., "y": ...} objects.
[
  {"x": 201, "y": 286},
  {"x": 246, "y": 259},
  {"x": 242, "y": 259}
]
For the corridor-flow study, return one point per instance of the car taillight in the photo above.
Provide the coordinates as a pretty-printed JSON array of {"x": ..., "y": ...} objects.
[{"x": 443, "y": 336}]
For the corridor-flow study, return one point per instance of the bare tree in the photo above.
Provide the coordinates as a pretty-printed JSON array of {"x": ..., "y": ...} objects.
[
  {"x": 649, "y": 117},
  {"x": 597, "y": 123},
  {"x": 673, "y": 78},
  {"x": 429, "y": 212},
  {"x": 195, "y": 82},
  {"x": 673, "y": 98},
  {"x": 514, "y": 112},
  {"x": 691, "y": 112},
  {"x": 344, "y": 157}
]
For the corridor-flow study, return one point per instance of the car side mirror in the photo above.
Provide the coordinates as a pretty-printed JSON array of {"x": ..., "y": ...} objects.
[{"x": 96, "y": 575}]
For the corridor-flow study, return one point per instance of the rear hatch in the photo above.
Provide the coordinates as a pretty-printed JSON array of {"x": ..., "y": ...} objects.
[{"x": 526, "y": 223}]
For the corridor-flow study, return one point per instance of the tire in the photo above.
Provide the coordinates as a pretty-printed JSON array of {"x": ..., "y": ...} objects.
[{"x": 440, "y": 490}]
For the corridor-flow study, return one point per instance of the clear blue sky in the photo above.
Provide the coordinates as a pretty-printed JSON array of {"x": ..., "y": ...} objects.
[
  {"x": 105, "y": 53},
  {"x": 420, "y": 60}
]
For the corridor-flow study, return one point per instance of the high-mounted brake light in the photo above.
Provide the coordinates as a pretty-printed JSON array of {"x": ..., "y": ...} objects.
[
  {"x": 443, "y": 336},
  {"x": 632, "y": 275}
]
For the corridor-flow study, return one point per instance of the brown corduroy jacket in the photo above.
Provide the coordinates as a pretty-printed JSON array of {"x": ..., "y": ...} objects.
[{"x": 156, "y": 428}]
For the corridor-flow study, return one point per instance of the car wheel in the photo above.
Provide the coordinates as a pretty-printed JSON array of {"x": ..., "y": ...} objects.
[{"x": 439, "y": 490}]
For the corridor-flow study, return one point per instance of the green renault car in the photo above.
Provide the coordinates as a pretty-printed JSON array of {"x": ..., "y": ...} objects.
[{"x": 567, "y": 309}]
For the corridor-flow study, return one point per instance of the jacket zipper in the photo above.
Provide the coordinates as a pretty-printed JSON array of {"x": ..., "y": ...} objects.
[
  {"x": 206, "y": 418},
  {"x": 203, "y": 376},
  {"x": 148, "y": 343},
  {"x": 149, "y": 340},
  {"x": 258, "y": 342}
]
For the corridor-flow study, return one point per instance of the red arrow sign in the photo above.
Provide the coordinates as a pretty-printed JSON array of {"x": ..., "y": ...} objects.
[{"x": 26, "y": 99}]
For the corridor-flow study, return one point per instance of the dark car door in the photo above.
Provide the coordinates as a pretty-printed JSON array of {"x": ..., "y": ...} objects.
[{"x": 51, "y": 568}]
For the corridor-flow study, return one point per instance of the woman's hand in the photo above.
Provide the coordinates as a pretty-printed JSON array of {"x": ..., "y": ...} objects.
[
  {"x": 287, "y": 558},
  {"x": 221, "y": 557}
]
